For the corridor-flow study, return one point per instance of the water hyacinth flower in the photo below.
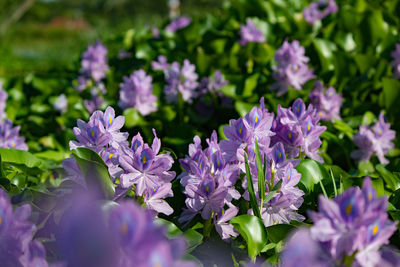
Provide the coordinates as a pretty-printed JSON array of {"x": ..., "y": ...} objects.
[
  {"x": 355, "y": 221},
  {"x": 250, "y": 33},
  {"x": 326, "y": 101},
  {"x": 319, "y": 10},
  {"x": 376, "y": 139},
  {"x": 396, "y": 62},
  {"x": 148, "y": 171},
  {"x": 292, "y": 69},
  {"x": 9, "y": 136},
  {"x": 180, "y": 80},
  {"x": 61, "y": 103},
  {"x": 16, "y": 245},
  {"x": 137, "y": 92},
  {"x": 178, "y": 23},
  {"x": 94, "y": 62},
  {"x": 3, "y": 100},
  {"x": 212, "y": 84},
  {"x": 298, "y": 128}
]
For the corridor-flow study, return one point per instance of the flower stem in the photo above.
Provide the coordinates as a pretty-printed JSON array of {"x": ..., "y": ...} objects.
[{"x": 207, "y": 227}]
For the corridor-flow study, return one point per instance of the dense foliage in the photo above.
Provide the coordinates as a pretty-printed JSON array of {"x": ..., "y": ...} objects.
[{"x": 276, "y": 119}]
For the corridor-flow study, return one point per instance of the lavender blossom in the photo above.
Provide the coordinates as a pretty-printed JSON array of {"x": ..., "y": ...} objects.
[
  {"x": 9, "y": 136},
  {"x": 94, "y": 103},
  {"x": 94, "y": 62},
  {"x": 136, "y": 92},
  {"x": 3, "y": 100},
  {"x": 299, "y": 130},
  {"x": 319, "y": 10},
  {"x": 292, "y": 69},
  {"x": 374, "y": 140},
  {"x": 327, "y": 102},
  {"x": 250, "y": 33},
  {"x": 212, "y": 84},
  {"x": 355, "y": 221},
  {"x": 180, "y": 80},
  {"x": 396, "y": 62},
  {"x": 178, "y": 23},
  {"x": 61, "y": 104},
  {"x": 143, "y": 167}
]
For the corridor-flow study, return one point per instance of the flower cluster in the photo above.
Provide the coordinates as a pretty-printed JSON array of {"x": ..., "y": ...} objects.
[
  {"x": 396, "y": 62},
  {"x": 137, "y": 92},
  {"x": 212, "y": 84},
  {"x": 180, "y": 79},
  {"x": 93, "y": 70},
  {"x": 212, "y": 173},
  {"x": 376, "y": 139},
  {"x": 250, "y": 33},
  {"x": 319, "y": 10},
  {"x": 292, "y": 69},
  {"x": 9, "y": 136},
  {"x": 209, "y": 183},
  {"x": 124, "y": 236},
  {"x": 355, "y": 223},
  {"x": 136, "y": 165},
  {"x": 178, "y": 23},
  {"x": 16, "y": 245},
  {"x": 299, "y": 130},
  {"x": 3, "y": 100},
  {"x": 326, "y": 101}
]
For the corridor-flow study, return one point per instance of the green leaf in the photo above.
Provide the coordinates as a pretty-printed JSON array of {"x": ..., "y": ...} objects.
[
  {"x": 326, "y": 51},
  {"x": 278, "y": 232},
  {"x": 250, "y": 84},
  {"x": 94, "y": 171},
  {"x": 20, "y": 157},
  {"x": 261, "y": 174},
  {"x": 194, "y": 239},
  {"x": 243, "y": 108},
  {"x": 253, "y": 199},
  {"x": 311, "y": 173},
  {"x": 391, "y": 91},
  {"x": 391, "y": 180},
  {"x": 252, "y": 229},
  {"x": 132, "y": 117}
]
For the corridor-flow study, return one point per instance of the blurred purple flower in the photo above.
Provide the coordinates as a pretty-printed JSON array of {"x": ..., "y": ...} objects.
[
  {"x": 250, "y": 33},
  {"x": 3, "y": 100},
  {"x": 137, "y": 92},
  {"x": 178, "y": 23},
  {"x": 326, "y": 101},
  {"x": 292, "y": 69},
  {"x": 396, "y": 62},
  {"x": 9, "y": 136},
  {"x": 376, "y": 139},
  {"x": 212, "y": 84},
  {"x": 319, "y": 10},
  {"x": 61, "y": 104},
  {"x": 94, "y": 62},
  {"x": 94, "y": 103}
]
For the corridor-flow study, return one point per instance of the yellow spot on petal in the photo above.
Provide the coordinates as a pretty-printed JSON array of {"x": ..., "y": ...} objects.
[
  {"x": 274, "y": 223},
  {"x": 13, "y": 145},
  {"x": 375, "y": 229},
  {"x": 369, "y": 196},
  {"x": 296, "y": 68},
  {"x": 144, "y": 159},
  {"x": 92, "y": 133},
  {"x": 298, "y": 109},
  {"x": 380, "y": 132},
  {"x": 207, "y": 188},
  {"x": 308, "y": 127},
  {"x": 124, "y": 228},
  {"x": 110, "y": 120},
  {"x": 1, "y": 220},
  {"x": 256, "y": 119},
  {"x": 288, "y": 176},
  {"x": 225, "y": 177},
  {"x": 289, "y": 135},
  {"x": 157, "y": 265},
  {"x": 240, "y": 130},
  {"x": 349, "y": 209},
  {"x": 279, "y": 155},
  {"x": 111, "y": 155},
  {"x": 218, "y": 163}
]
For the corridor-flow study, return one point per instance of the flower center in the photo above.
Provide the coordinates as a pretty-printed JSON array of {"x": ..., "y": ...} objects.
[
  {"x": 349, "y": 209},
  {"x": 144, "y": 159},
  {"x": 110, "y": 156},
  {"x": 124, "y": 228},
  {"x": 92, "y": 133},
  {"x": 369, "y": 196},
  {"x": 375, "y": 230}
]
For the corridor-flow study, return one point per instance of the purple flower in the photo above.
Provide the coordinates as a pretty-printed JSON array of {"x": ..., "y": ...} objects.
[
  {"x": 94, "y": 62},
  {"x": 180, "y": 80},
  {"x": 154, "y": 199},
  {"x": 319, "y": 10},
  {"x": 212, "y": 84},
  {"x": 222, "y": 225},
  {"x": 178, "y": 23},
  {"x": 9, "y": 136},
  {"x": 292, "y": 69},
  {"x": 250, "y": 33},
  {"x": 299, "y": 130},
  {"x": 16, "y": 245},
  {"x": 94, "y": 103},
  {"x": 3, "y": 100},
  {"x": 137, "y": 92},
  {"x": 376, "y": 139},
  {"x": 396, "y": 62},
  {"x": 356, "y": 220},
  {"x": 143, "y": 167},
  {"x": 327, "y": 102},
  {"x": 61, "y": 104}
]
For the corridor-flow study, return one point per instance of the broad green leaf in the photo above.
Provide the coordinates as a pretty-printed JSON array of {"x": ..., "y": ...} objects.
[
  {"x": 20, "y": 157},
  {"x": 311, "y": 173},
  {"x": 391, "y": 91},
  {"x": 243, "y": 108},
  {"x": 278, "y": 232},
  {"x": 252, "y": 229},
  {"x": 250, "y": 84},
  {"x": 391, "y": 180},
  {"x": 95, "y": 172},
  {"x": 132, "y": 117},
  {"x": 194, "y": 239},
  {"x": 326, "y": 52}
]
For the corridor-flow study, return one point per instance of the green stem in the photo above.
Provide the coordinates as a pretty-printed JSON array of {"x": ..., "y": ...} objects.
[{"x": 207, "y": 227}]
